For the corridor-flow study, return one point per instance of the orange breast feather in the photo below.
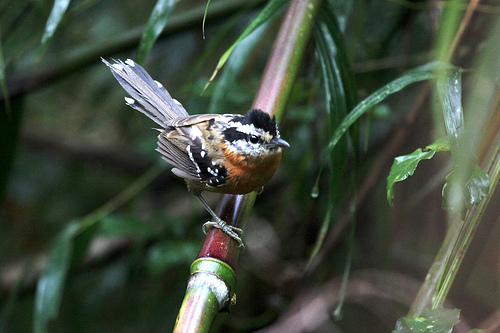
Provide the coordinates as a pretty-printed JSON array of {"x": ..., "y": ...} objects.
[{"x": 248, "y": 174}]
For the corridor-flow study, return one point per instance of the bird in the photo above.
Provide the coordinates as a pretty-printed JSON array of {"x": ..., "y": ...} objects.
[{"x": 222, "y": 153}]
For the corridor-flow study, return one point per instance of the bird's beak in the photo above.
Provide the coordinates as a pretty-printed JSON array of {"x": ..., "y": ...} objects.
[{"x": 279, "y": 142}]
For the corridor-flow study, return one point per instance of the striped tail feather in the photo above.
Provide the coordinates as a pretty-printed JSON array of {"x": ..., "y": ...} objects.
[{"x": 148, "y": 96}]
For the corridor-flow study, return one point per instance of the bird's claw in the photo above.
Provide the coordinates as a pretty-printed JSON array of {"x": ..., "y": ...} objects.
[{"x": 233, "y": 232}]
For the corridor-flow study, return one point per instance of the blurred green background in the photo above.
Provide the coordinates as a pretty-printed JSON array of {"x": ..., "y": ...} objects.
[{"x": 70, "y": 146}]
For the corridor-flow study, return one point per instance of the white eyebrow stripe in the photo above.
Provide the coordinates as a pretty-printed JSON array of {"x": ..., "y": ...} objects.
[{"x": 246, "y": 128}]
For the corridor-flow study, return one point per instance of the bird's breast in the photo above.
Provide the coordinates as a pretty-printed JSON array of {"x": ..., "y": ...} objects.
[{"x": 246, "y": 173}]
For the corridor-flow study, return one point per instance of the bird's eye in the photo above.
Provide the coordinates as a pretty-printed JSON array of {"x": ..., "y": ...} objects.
[{"x": 254, "y": 139}]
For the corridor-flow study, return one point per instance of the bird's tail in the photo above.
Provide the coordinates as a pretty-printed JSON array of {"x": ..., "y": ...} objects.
[{"x": 148, "y": 96}]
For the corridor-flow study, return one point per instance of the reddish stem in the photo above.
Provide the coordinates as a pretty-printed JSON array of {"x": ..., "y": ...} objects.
[
  {"x": 218, "y": 244},
  {"x": 272, "y": 96}
]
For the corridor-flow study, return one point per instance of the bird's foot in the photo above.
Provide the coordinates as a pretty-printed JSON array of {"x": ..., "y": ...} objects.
[{"x": 233, "y": 232}]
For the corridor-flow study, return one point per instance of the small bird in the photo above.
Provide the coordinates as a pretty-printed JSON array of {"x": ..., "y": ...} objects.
[{"x": 223, "y": 153}]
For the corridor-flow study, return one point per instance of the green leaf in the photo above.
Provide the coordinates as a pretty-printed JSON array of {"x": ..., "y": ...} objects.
[
  {"x": 270, "y": 11},
  {"x": 450, "y": 94},
  {"x": 475, "y": 189},
  {"x": 81, "y": 241},
  {"x": 55, "y": 17},
  {"x": 339, "y": 85},
  {"x": 421, "y": 73},
  {"x": 335, "y": 70},
  {"x": 233, "y": 68},
  {"x": 154, "y": 27},
  {"x": 438, "y": 320},
  {"x": 124, "y": 226},
  {"x": 468, "y": 184},
  {"x": 341, "y": 97},
  {"x": 51, "y": 284},
  {"x": 331, "y": 31},
  {"x": 69, "y": 246},
  {"x": 169, "y": 253},
  {"x": 404, "y": 166},
  {"x": 205, "y": 19}
]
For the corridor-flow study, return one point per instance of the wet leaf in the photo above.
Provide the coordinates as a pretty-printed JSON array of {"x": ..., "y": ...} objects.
[
  {"x": 421, "y": 73},
  {"x": 450, "y": 93},
  {"x": 456, "y": 196},
  {"x": 338, "y": 81},
  {"x": 404, "y": 166},
  {"x": 438, "y": 320}
]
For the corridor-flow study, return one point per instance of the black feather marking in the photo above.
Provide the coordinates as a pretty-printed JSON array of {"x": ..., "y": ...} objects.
[
  {"x": 175, "y": 156},
  {"x": 208, "y": 171},
  {"x": 259, "y": 119},
  {"x": 232, "y": 134},
  {"x": 211, "y": 122}
]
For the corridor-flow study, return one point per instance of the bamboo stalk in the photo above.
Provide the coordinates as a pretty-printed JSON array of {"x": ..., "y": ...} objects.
[{"x": 198, "y": 310}]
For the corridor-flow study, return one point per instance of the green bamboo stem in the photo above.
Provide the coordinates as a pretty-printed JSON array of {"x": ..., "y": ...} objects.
[
  {"x": 199, "y": 306},
  {"x": 428, "y": 289},
  {"x": 197, "y": 319},
  {"x": 436, "y": 285},
  {"x": 472, "y": 222},
  {"x": 210, "y": 290}
]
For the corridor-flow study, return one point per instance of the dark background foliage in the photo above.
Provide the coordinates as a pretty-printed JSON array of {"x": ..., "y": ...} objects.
[{"x": 70, "y": 146}]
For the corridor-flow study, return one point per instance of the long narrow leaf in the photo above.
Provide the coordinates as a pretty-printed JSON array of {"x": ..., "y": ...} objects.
[
  {"x": 204, "y": 19},
  {"x": 69, "y": 246},
  {"x": 270, "y": 11},
  {"x": 329, "y": 47},
  {"x": 51, "y": 284},
  {"x": 342, "y": 10},
  {"x": 327, "y": 18},
  {"x": 339, "y": 88},
  {"x": 421, "y": 73},
  {"x": 233, "y": 68},
  {"x": 154, "y": 27},
  {"x": 55, "y": 17}
]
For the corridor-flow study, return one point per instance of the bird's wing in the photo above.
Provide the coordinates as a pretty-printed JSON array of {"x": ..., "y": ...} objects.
[{"x": 176, "y": 150}]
